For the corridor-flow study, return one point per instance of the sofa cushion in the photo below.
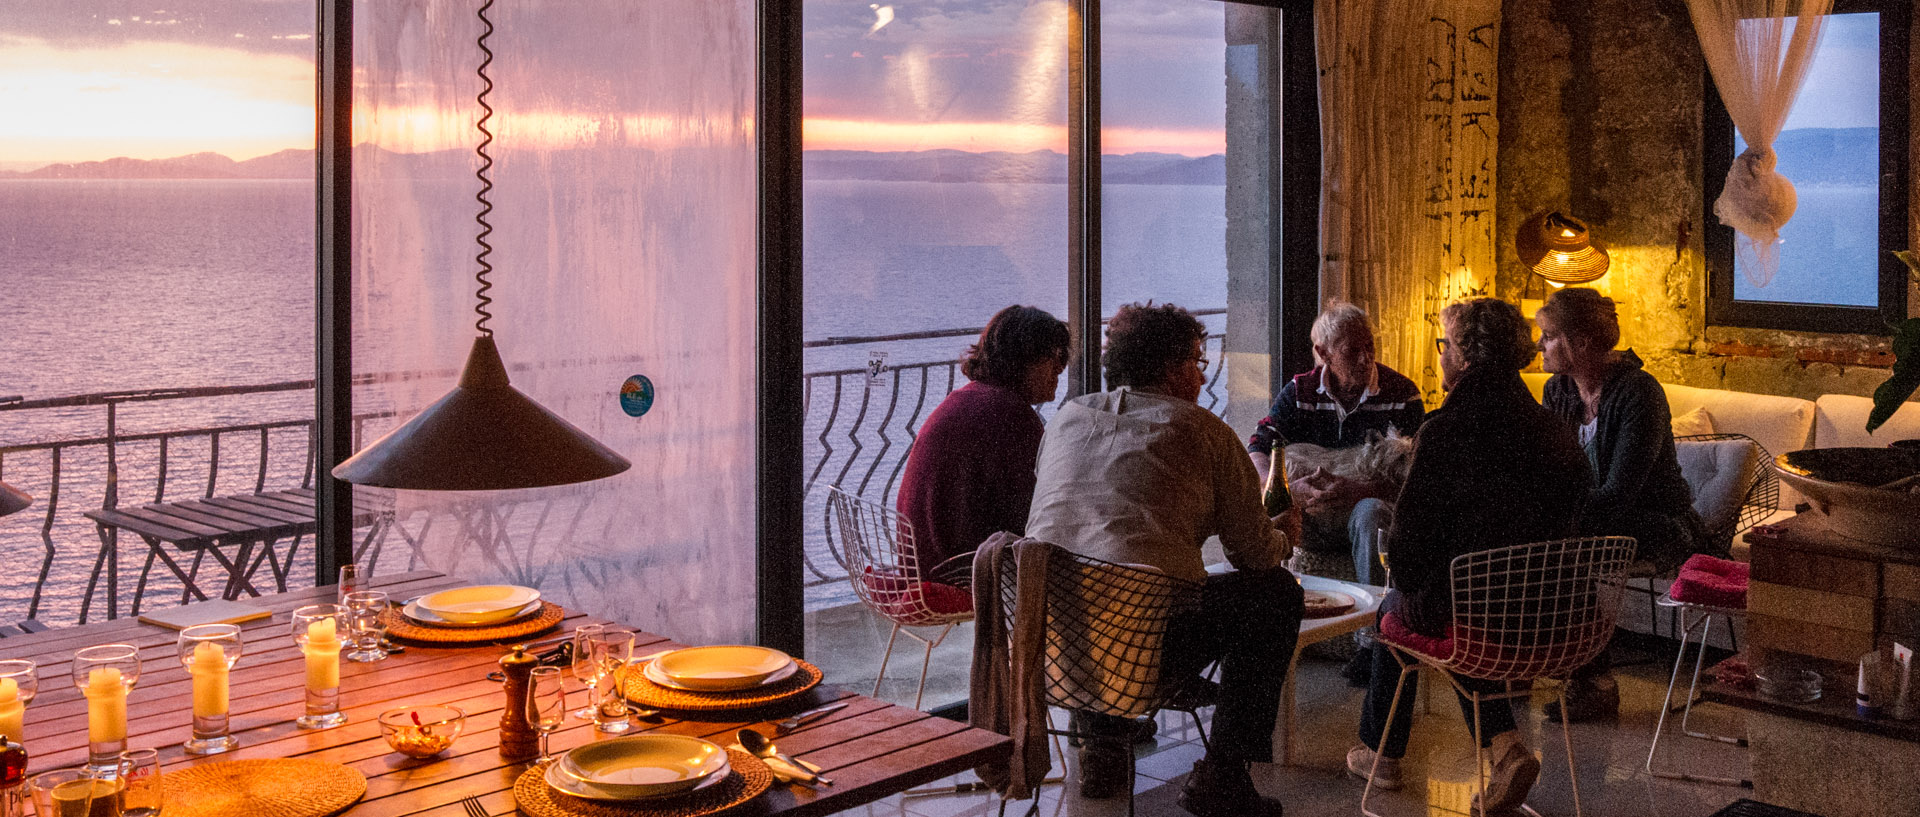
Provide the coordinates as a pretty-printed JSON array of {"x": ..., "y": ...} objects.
[
  {"x": 1717, "y": 471},
  {"x": 1840, "y": 421},
  {"x": 1778, "y": 424},
  {"x": 1697, "y": 421}
]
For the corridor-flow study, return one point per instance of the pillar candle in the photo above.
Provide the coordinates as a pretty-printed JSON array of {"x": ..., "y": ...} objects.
[
  {"x": 323, "y": 655},
  {"x": 106, "y": 705},
  {"x": 209, "y": 670},
  {"x": 13, "y": 715}
]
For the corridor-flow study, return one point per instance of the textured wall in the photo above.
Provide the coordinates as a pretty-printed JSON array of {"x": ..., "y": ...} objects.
[{"x": 1600, "y": 113}]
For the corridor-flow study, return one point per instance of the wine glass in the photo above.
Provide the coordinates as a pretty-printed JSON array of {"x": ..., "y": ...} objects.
[
  {"x": 363, "y": 621},
  {"x": 105, "y": 674},
  {"x": 209, "y": 652},
  {"x": 353, "y": 579},
  {"x": 141, "y": 794},
  {"x": 584, "y": 667},
  {"x": 612, "y": 647},
  {"x": 18, "y": 684},
  {"x": 546, "y": 706}
]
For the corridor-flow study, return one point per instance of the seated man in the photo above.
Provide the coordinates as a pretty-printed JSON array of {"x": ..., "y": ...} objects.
[
  {"x": 1142, "y": 474},
  {"x": 1343, "y": 402},
  {"x": 970, "y": 472},
  {"x": 1491, "y": 468}
]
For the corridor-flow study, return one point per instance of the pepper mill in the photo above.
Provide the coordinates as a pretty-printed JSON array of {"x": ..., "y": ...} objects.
[{"x": 518, "y": 739}]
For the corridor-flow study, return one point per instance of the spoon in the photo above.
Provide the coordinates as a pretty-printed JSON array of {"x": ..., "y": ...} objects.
[{"x": 762, "y": 747}]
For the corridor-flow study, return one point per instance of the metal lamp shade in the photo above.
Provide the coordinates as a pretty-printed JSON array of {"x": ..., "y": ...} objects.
[
  {"x": 13, "y": 499},
  {"x": 1560, "y": 249},
  {"x": 482, "y": 436}
]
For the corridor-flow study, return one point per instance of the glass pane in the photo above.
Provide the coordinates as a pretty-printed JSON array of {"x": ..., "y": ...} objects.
[
  {"x": 623, "y": 245},
  {"x": 935, "y": 196},
  {"x": 1830, "y": 150},
  {"x": 156, "y": 180},
  {"x": 1185, "y": 118}
]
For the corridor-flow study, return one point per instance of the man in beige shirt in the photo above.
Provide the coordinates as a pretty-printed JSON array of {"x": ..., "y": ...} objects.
[{"x": 1143, "y": 475}]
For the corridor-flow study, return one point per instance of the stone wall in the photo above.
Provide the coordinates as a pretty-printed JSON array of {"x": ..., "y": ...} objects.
[{"x": 1601, "y": 104}]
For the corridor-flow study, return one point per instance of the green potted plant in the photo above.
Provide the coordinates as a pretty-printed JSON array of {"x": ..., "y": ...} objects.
[{"x": 1906, "y": 360}]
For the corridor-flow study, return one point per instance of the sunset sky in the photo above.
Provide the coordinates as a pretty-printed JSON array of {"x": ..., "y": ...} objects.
[{"x": 93, "y": 79}]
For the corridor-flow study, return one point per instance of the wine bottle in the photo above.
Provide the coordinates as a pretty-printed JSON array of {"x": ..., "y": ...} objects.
[{"x": 1279, "y": 500}]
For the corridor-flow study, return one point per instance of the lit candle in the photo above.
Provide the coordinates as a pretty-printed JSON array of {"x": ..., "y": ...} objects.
[
  {"x": 106, "y": 705},
  {"x": 323, "y": 655},
  {"x": 13, "y": 714},
  {"x": 209, "y": 670}
]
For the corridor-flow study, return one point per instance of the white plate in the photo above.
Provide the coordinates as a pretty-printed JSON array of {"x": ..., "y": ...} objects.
[
  {"x": 721, "y": 668},
  {"x": 480, "y": 604},
  {"x": 560, "y": 782},
  {"x": 641, "y": 766},
  {"x": 653, "y": 673},
  {"x": 413, "y": 611}
]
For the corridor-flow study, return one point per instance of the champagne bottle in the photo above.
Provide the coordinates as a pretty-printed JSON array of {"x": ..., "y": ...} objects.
[{"x": 1279, "y": 500}]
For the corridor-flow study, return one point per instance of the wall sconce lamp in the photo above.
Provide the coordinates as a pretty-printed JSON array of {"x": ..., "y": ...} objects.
[{"x": 1559, "y": 248}]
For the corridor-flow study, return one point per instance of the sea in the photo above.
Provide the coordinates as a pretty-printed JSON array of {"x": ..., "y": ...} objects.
[{"x": 122, "y": 285}]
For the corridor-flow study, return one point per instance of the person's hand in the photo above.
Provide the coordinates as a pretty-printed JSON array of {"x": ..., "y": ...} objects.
[{"x": 1289, "y": 523}]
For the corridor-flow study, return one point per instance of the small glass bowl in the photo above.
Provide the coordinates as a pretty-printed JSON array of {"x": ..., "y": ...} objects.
[
  {"x": 1789, "y": 683},
  {"x": 422, "y": 731}
]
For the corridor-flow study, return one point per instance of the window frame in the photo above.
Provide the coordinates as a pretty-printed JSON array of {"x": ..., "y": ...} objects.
[{"x": 1717, "y": 156}]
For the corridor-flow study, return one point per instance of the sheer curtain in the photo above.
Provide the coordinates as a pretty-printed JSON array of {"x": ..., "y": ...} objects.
[
  {"x": 1408, "y": 135},
  {"x": 623, "y": 245},
  {"x": 1758, "y": 51}
]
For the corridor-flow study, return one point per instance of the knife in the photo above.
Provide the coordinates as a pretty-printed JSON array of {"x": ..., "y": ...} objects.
[{"x": 809, "y": 715}]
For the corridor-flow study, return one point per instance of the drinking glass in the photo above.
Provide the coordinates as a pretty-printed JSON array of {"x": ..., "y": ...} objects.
[
  {"x": 353, "y": 579},
  {"x": 209, "y": 652},
  {"x": 18, "y": 683},
  {"x": 105, "y": 674},
  {"x": 546, "y": 706},
  {"x": 1380, "y": 547},
  {"x": 140, "y": 789},
  {"x": 316, "y": 628},
  {"x": 584, "y": 667},
  {"x": 72, "y": 793},
  {"x": 612, "y": 648},
  {"x": 363, "y": 621}
]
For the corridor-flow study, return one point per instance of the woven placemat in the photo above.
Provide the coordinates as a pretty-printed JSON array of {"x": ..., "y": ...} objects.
[
  {"x": 646, "y": 693},
  {"x": 748, "y": 779},
  {"x": 271, "y": 787},
  {"x": 401, "y": 627}
]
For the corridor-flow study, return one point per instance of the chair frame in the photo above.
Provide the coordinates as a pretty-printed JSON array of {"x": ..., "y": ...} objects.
[
  {"x": 1492, "y": 592},
  {"x": 1705, "y": 624},
  {"x": 874, "y": 537}
]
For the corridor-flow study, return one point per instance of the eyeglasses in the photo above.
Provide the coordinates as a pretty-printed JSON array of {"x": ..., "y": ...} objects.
[
  {"x": 1201, "y": 362},
  {"x": 1440, "y": 345}
]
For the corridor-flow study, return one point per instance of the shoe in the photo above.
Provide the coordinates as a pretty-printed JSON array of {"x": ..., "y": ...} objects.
[
  {"x": 1589, "y": 699},
  {"x": 1360, "y": 764},
  {"x": 1511, "y": 777},
  {"x": 1359, "y": 669},
  {"x": 1225, "y": 789},
  {"x": 1198, "y": 692},
  {"x": 1103, "y": 771}
]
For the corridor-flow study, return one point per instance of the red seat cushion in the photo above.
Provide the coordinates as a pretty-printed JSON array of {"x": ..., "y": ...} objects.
[
  {"x": 1713, "y": 582},
  {"x": 1395, "y": 631},
  {"x": 908, "y": 600}
]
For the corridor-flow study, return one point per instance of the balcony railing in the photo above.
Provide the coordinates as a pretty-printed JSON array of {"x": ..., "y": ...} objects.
[{"x": 86, "y": 452}]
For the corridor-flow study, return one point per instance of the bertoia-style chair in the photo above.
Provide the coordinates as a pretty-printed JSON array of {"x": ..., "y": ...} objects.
[{"x": 876, "y": 545}]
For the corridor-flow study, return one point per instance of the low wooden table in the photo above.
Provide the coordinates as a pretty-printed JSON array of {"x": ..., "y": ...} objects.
[{"x": 871, "y": 749}]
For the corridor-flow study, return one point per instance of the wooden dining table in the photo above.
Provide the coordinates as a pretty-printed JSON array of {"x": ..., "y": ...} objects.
[{"x": 870, "y": 749}]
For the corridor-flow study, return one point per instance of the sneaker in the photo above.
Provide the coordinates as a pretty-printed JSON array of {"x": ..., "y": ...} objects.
[
  {"x": 1589, "y": 699},
  {"x": 1103, "y": 771},
  {"x": 1385, "y": 776},
  {"x": 1225, "y": 789},
  {"x": 1511, "y": 777}
]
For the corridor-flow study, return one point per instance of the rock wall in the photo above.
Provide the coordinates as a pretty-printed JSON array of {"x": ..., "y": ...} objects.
[{"x": 1600, "y": 110}]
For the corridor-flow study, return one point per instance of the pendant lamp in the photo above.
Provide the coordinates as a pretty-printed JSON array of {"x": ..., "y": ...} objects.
[
  {"x": 484, "y": 435},
  {"x": 1559, "y": 248},
  {"x": 13, "y": 499}
]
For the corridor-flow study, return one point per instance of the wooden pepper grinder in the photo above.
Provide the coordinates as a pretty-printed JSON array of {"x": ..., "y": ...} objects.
[{"x": 518, "y": 739}]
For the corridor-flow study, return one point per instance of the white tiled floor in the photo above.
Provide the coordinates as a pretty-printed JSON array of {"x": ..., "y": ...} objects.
[{"x": 1439, "y": 765}]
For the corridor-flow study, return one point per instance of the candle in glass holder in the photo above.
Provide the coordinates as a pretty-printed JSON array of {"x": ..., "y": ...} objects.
[
  {"x": 13, "y": 713},
  {"x": 323, "y": 655},
  {"x": 106, "y": 705},
  {"x": 105, "y": 674},
  {"x": 209, "y": 670},
  {"x": 209, "y": 651},
  {"x": 316, "y": 628}
]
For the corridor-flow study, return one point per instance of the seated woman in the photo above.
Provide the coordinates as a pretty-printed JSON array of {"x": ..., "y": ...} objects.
[
  {"x": 1491, "y": 468},
  {"x": 1626, "y": 428},
  {"x": 970, "y": 472},
  {"x": 1346, "y": 401}
]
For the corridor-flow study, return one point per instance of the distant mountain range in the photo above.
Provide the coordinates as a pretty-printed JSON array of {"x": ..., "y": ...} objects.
[{"x": 1038, "y": 167}]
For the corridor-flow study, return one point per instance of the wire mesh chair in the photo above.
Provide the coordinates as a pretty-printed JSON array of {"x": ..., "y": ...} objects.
[
  {"x": 1520, "y": 613},
  {"x": 1105, "y": 642},
  {"x": 1759, "y": 499},
  {"x": 877, "y": 548},
  {"x": 1697, "y": 611}
]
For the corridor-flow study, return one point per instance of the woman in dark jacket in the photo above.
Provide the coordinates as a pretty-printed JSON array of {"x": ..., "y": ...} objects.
[{"x": 1627, "y": 430}]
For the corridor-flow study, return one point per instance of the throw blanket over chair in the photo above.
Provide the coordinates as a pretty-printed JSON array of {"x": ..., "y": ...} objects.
[
  {"x": 1520, "y": 613},
  {"x": 876, "y": 546}
]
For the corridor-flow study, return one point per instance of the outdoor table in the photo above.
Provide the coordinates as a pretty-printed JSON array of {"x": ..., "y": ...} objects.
[{"x": 871, "y": 749}]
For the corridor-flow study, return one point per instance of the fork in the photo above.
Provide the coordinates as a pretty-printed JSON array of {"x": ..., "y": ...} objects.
[{"x": 473, "y": 806}]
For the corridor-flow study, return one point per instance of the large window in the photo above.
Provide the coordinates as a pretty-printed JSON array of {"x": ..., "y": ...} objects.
[{"x": 1844, "y": 147}]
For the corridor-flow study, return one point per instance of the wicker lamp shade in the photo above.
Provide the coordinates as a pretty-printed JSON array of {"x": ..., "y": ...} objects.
[
  {"x": 13, "y": 499},
  {"x": 1559, "y": 248}
]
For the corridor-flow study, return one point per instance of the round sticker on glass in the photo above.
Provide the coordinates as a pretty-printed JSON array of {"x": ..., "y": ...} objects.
[{"x": 636, "y": 395}]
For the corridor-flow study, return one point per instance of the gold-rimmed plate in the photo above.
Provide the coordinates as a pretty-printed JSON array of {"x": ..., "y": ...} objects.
[
  {"x": 729, "y": 668},
  {"x": 637, "y": 766}
]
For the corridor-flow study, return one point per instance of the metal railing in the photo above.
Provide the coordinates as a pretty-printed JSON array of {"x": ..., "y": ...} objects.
[{"x": 859, "y": 425}]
